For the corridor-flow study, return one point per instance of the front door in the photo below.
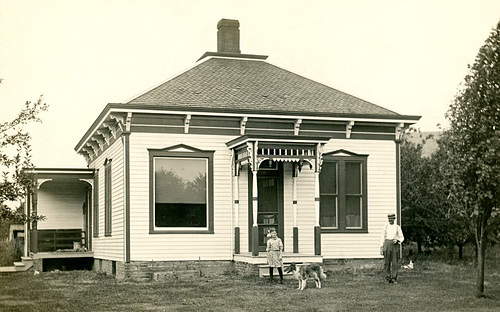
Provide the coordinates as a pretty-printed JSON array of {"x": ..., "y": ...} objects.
[{"x": 270, "y": 202}]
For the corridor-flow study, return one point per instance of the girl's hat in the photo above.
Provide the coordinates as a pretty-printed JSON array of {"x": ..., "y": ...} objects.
[{"x": 391, "y": 216}]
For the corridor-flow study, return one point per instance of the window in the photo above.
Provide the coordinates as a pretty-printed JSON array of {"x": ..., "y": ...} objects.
[
  {"x": 107, "y": 198},
  {"x": 181, "y": 190},
  {"x": 343, "y": 200},
  {"x": 96, "y": 205}
]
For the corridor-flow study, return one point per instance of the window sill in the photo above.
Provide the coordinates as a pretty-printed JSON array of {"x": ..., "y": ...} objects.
[
  {"x": 344, "y": 231},
  {"x": 181, "y": 232}
]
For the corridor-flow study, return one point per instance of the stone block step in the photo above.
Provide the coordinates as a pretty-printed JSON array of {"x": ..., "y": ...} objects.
[{"x": 8, "y": 269}]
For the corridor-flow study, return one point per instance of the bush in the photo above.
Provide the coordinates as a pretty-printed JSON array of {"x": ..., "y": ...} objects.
[{"x": 7, "y": 253}]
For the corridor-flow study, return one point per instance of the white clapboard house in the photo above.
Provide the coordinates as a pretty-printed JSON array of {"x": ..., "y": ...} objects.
[{"x": 202, "y": 166}]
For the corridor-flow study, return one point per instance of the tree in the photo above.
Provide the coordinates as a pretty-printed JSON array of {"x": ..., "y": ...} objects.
[
  {"x": 420, "y": 216},
  {"x": 15, "y": 157},
  {"x": 473, "y": 147},
  {"x": 458, "y": 230}
]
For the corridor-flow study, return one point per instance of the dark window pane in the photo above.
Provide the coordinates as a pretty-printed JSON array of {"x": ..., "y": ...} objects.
[
  {"x": 328, "y": 178},
  {"x": 353, "y": 178},
  {"x": 180, "y": 192},
  {"x": 180, "y": 215},
  {"x": 268, "y": 194},
  {"x": 353, "y": 211},
  {"x": 328, "y": 211}
]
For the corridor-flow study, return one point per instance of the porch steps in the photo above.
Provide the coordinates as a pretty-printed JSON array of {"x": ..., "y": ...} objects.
[
  {"x": 261, "y": 259},
  {"x": 24, "y": 265},
  {"x": 264, "y": 271}
]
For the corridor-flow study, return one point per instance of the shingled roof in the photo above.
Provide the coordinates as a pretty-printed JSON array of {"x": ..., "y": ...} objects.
[{"x": 242, "y": 84}]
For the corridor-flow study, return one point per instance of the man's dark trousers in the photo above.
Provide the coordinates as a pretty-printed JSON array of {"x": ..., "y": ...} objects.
[{"x": 391, "y": 266}]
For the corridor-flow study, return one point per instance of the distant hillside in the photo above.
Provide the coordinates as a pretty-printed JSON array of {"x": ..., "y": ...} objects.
[{"x": 430, "y": 144}]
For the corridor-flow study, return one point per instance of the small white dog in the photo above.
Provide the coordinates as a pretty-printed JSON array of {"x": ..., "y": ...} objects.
[
  {"x": 305, "y": 272},
  {"x": 409, "y": 266}
]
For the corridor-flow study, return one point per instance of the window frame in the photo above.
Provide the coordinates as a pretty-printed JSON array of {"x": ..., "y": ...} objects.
[
  {"x": 187, "y": 152},
  {"x": 341, "y": 158}
]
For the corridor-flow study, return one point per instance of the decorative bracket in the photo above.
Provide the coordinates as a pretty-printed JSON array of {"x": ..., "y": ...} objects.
[
  {"x": 39, "y": 182},
  {"x": 399, "y": 131},
  {"x": 296, "y": 126},
  {"x": 120, "y": 120},
  {"x": 94, "y": 146},
  {"x": 252, "y": 148},
  {"x": 243, "y": 124},
  {"x": 88, "y": 151},
  {"x": 187, "y": 121},
  {"x": 318, "y": 162},
  {"x": 99, "y": 140},
  {"x": 128, "y": 122},
  {"x": 113, "y": 128},
  {"x": 89, "y": 181},
  {"x": 105, "y": 133},
  {"x": 348, "y": 129}
]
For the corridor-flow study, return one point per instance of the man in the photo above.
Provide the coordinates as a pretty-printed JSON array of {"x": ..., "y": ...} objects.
[{"x": 391, "y": 238}]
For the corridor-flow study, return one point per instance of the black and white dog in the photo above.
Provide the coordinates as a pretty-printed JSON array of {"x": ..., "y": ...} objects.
[{"x": 305, "y": 272}]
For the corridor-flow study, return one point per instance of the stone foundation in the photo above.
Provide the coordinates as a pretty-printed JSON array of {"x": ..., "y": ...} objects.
[
  {"x": 164, "y": 270},
  {"x": 161, "y": 270}
]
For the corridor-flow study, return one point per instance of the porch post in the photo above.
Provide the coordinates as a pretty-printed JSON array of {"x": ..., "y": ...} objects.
[
  {"x": 236, "y": 212},
  {"x": 90, "y": 230},
  {"x": 295, "y": 173},
  {"x": 398, "y": 189},
  {"x": 27, "y": 225},
  {"x": 255, "y": 227},
  {"x": 317, "y": 228},
  {"x": 255, "y": 197},
  {"x": 34, "y": 224}
]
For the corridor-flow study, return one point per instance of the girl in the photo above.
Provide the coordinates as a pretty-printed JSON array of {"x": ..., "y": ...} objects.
[{"x": 274, "y": 259}]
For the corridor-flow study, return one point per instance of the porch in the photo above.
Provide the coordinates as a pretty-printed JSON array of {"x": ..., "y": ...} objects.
[
  {"x": 264, "y": 158},
  {"x": 64, "y": 260},
  {"x": 64, "y": 197}
]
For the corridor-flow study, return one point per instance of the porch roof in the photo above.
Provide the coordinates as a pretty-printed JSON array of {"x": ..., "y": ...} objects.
[
  {"x": 270, "y": 140},
  {"x": 255, "y": 149},
  {"x": 62, "y": 175}
]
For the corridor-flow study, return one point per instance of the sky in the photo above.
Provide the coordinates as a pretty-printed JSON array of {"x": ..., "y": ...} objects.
[{"x": 407, "y": 56}]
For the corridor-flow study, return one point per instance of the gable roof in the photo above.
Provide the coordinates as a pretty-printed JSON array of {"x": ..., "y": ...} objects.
[{"x": 253, "y": 85}]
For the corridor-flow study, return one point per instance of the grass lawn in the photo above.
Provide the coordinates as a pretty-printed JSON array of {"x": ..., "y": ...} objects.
[{"x": 431, "y": 286}]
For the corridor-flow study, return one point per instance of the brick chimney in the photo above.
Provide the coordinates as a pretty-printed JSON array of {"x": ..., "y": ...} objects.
[{"x": 228, "y": 36}]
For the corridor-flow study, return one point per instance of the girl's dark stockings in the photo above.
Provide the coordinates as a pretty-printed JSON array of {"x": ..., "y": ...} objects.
[{"x": 280, "y": 271}]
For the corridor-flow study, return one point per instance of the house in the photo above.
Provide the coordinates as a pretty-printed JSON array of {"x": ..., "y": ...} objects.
[{"x": 201, "y": 167}]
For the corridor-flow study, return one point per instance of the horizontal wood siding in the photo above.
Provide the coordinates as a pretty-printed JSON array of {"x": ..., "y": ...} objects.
[
  {"x": 287, "y": 207},
  {"x": 305, "y": 209},
  {"x": 111, "y": 247},
  {"x": 381, "y": 200},
  {"x": 163, "y": 247},
  {"x": 61, "y": 204}
]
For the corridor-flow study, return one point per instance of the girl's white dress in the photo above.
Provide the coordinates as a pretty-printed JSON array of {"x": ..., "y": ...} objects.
[{"x": 274, "y": 248}]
